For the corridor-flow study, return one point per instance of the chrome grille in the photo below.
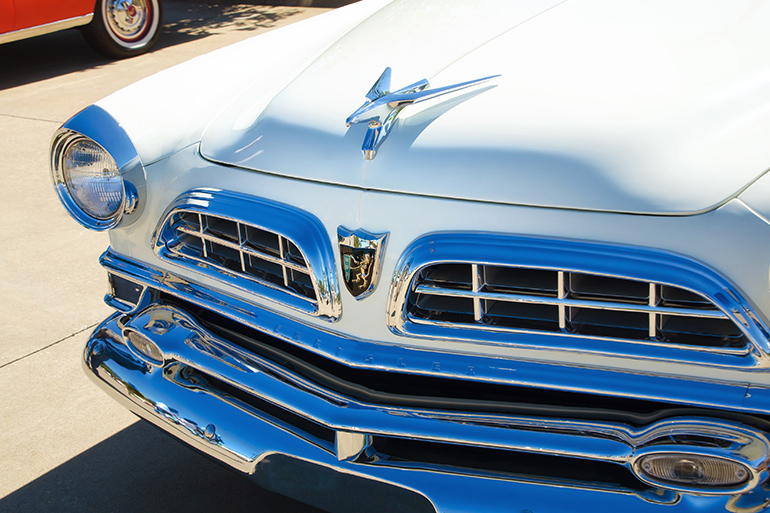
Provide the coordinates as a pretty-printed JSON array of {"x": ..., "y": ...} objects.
[
  {"x": 247, "y": 250},
  {"x": 571, "y": 295},
  {"x": 515, "y": 298},
  {"x": 268, "y": 249}
]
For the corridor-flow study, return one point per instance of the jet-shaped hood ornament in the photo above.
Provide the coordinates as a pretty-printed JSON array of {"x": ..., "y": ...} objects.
[{"x": 382, "y": 107}]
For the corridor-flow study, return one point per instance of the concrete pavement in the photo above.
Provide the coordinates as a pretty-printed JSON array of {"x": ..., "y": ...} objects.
[{"x": 67, "y": 446}]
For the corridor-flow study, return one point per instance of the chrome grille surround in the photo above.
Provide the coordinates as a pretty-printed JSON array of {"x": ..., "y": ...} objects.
[
  {"x": 262, "y": 247},
  {"x": 514, "y": 290}
]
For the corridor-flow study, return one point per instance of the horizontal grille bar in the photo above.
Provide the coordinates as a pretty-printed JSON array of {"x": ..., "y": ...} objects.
[{"x": 520, "y": 298}]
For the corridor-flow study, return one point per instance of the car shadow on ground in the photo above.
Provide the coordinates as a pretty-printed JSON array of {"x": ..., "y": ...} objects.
[
  {"x": 142, "y": 469},
  {"x": 40, "y": 58}
]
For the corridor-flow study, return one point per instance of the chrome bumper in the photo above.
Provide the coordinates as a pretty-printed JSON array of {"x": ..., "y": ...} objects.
[{"x": 302, "y": 440}]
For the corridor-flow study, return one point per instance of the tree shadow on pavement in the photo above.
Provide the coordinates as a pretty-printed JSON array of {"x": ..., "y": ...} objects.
[
  {"x": 142, "y": 469},
  {"x": 184, "y": 22}
]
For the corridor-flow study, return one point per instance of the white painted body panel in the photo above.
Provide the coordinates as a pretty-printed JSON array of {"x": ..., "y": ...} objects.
[
  {"x": 647, "y": 107},
  {"x": 642, "y": 107}
]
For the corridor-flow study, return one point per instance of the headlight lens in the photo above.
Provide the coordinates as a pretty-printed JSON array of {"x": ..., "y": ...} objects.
[{"x": 93, "y": 179}]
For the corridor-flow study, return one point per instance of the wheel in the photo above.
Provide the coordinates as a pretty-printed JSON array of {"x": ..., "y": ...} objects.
[{"x": 124, "y": 28}]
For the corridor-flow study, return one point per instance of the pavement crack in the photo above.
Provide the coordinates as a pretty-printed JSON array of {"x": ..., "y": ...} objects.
[
  {"x": 86, "y": 328},
  {"x": 31, "y": 118}
]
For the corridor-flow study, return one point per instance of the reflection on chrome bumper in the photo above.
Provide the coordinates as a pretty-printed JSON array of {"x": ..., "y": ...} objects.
[{"x": 267, "y": 421}]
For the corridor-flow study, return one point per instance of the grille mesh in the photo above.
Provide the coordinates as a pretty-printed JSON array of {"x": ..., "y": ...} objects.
[
  {"x": 509, "y": 298},
  {"x": 240, "y": 249}
]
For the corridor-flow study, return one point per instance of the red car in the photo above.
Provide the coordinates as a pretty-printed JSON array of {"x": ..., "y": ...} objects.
[{"x": 115, "y": 28}]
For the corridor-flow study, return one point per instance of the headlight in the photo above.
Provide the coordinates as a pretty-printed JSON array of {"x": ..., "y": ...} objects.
[
  {"x": 97, "y": 182},
  {"x": 92, "y": 178}
]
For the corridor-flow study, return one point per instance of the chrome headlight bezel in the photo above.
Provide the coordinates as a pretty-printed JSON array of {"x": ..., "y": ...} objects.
[{"x": 96, "y": 126}]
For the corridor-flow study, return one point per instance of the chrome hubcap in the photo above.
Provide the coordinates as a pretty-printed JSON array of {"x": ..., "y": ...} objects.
[{"x": 128, "y": 19}]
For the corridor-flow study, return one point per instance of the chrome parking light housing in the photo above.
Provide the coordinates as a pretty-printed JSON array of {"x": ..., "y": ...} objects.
[
  {"x": 701, "y": 456},
  {"x": 96, "y": 170}
]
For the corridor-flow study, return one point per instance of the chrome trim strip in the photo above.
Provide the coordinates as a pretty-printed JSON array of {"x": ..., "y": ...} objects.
[
  {"x": 475, "y": 294},
  {"x": 434, "y": 329},
  {"x": 652, "y": 327},
  {"x": 625, "y": 262},
  {"x": 48, "y": 28},
  {"x": 597, "y": 305},
  {"x": 365, "y": 354},
  {"x": 301, "y": 228},
  {"x": 184, "y": 342},
  {"x": 561, "y": 294}
]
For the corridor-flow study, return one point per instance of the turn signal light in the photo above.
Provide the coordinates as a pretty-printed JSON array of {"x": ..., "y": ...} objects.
[
  {"x": 693, "y": 470},
  {"x": 145, "y": 347}
]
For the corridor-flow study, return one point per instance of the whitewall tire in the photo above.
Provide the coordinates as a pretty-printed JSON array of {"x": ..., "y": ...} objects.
[{"x": 124, "y": 28}]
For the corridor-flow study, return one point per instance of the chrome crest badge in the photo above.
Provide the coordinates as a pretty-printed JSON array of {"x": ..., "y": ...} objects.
[
  {"x": 382, "y": 107},
  {"x": 360, "y": 254}
]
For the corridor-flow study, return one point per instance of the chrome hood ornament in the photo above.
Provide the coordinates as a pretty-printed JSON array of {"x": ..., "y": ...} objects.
[
  {"x": 360, "y": 254},
  {"x": 382, "y": 107}
]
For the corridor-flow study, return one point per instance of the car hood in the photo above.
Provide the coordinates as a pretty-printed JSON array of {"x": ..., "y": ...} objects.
[{"x": 648, "y": 107}]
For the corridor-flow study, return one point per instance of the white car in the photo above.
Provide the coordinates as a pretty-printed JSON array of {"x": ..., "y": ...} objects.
[{"x": 449, "y": 255}]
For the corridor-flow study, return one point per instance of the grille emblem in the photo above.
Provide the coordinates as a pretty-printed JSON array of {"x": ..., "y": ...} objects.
[
  {"x": 382, "y": 107},
  {"x": 360, "y": 254}
]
